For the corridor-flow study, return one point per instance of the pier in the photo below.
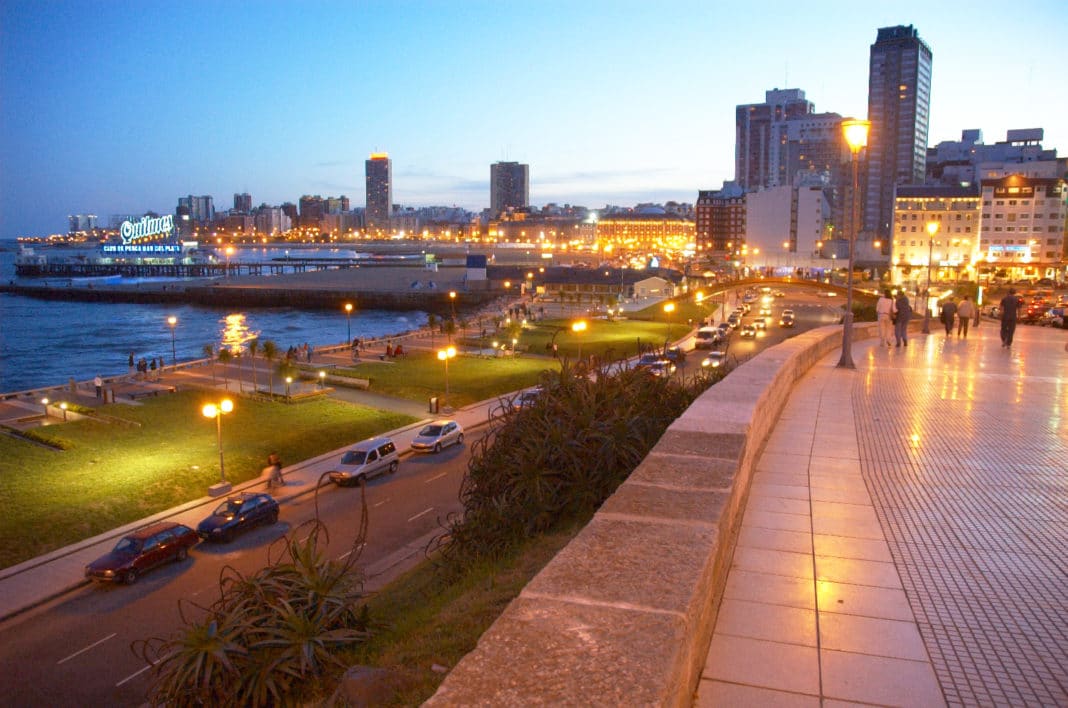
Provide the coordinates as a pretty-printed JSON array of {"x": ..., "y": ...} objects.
[{"x": 97, "y": 269}]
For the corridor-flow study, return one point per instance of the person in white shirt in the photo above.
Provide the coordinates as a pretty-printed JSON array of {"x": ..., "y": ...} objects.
[{"x": 884, "y": 310}]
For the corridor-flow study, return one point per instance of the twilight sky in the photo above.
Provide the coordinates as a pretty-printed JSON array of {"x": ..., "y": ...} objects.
[{"x": 120, "y": 107}]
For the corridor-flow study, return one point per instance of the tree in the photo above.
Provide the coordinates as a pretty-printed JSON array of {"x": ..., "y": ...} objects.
[
  {"x": 209, "y": 351},
  {"x": 253, "y": 347},
  {"x": 431, "y": 322},
  {"x": 270, "y": 353},
  {"x": 225, "y": 357}
]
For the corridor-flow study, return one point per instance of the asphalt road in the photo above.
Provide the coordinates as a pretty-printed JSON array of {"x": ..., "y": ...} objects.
[{"x": 77, "y": 650}]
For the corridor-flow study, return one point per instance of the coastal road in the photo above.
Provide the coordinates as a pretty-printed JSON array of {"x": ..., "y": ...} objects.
[{"x": 76, "y": 650}]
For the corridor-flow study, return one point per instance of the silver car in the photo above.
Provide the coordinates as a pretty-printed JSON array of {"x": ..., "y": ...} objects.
[{"x": 439, "y": 434}]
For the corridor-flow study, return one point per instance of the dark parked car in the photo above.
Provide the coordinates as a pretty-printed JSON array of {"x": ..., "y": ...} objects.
[
  {"x": 142, "y": 551},
  {"x": 238, "y": 514}
]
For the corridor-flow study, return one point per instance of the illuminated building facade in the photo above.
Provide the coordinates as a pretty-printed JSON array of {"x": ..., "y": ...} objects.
[
  {"x": 379, "y": 173},
  {"x": 899, "y": 99},
  {"x": 652, "y": 231},
  {"x": 720, "y": 221},
  {"x": 954, "y": 248},
  {"x": 1024, "y": 225}
]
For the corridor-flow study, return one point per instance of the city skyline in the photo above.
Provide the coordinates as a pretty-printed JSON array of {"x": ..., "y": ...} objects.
[{"x": 608, "y": 103}]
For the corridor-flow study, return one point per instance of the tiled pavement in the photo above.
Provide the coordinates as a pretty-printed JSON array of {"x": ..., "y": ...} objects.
[{"x": 905, "y": 538}]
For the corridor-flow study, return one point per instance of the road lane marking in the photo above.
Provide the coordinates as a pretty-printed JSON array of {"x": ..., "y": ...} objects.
[
  {"x": 437, "y": 476},
  {"x": 421, "y": 513},
  {"x": 347, "y": 553},
  {"x": 378, "y": 504},
  {"x": 82, "y": 651},
  {"x": 136, "y": 674}
]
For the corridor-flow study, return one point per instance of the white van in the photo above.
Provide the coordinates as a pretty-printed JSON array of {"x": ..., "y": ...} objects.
[
  {"x": 706, "y": 338},
  {"x": 365, "y": 460}
]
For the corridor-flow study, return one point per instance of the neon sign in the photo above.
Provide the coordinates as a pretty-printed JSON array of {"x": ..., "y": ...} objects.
[{"x": 147, "y": 226}]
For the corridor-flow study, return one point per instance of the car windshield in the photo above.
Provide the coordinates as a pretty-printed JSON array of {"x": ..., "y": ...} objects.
[
  {"x": 128, "y": 545},
  {"x": 354, "y": 457},
  {"x": 430, "y": 431},
  {"x": 228, "y": 508}
]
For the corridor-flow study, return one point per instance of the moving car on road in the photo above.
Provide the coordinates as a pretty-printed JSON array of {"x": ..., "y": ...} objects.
[
  {"x": 714, "y": 360},
  {"x": 439, "y": 434},
  {"x": 369, "y": 458},
  {"x": 787, "y": 319},
  {"x": 143, "y": 550},
  {"x": 748, "y": 331},
  {"x": 238, "y": 514}
]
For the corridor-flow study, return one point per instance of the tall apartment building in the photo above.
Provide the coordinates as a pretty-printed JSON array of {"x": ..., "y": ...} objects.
[
  {"x": 509, "y": 187},
  {"x": 899, "y": 99},
  {"x": 760, "y": 148},
  {"x": 379, "y": 172},
  {"x": 311, "y": 211},
  {"x": 271, "y": 220},
  {"x": 953, "y": 250},
  {"x": 1024, "y": 226},
  {"x": 201, "y": 210},
  {"x": 81, "y": 222},
  {"x": 720, "y": 220},
  {"x": 243, "y": 203}
]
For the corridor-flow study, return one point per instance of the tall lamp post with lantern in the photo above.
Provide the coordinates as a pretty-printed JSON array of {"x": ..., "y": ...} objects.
[
  {"x": 856, "y": 136},
  {"x": 932, "y": 229}
]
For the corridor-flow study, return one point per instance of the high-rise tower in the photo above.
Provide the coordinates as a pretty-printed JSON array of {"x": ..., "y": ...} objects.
[
  {"x": 760, "y": 148},
  {"x": 379, "y": 193},
  {"x": 899, "y": 101},
  {"x": 509, "y": 186}
]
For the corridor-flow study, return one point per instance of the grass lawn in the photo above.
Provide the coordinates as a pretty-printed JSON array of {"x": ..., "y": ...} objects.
[
  {"x": 419, "y": 374},
  {"x": 110, "y": 475}
]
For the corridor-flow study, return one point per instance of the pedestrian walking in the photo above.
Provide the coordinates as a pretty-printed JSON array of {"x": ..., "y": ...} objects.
[
  {"x": 901, "y": 319},
  {"x": 965, "y": 312},
  {"x": 99, "y": 383},
  {"x": 949, "y": 311},
  {"x": 884, "y": 310},
  {"x": 131, "y": 363},
  {"x": 274, "y": 471},
  {"x": 1010, "y": 306}
]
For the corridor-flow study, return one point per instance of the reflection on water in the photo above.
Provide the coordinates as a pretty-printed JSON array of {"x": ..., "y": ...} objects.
[{"x": 235, "y": 333}]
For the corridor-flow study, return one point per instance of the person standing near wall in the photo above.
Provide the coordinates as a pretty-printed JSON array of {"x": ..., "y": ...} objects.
[{"x": 965, "y": 312}]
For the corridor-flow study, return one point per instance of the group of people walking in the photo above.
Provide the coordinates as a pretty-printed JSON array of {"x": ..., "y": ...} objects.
[
  {"x": 893, "y": 315},
  {"x": 962, "y": 312}
]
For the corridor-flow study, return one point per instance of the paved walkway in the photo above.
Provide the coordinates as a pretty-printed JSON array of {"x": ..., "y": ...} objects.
[{"x": 903, "y": 542}]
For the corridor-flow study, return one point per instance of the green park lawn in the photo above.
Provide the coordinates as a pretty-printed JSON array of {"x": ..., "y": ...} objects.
[{"x": 109, "y": 475}]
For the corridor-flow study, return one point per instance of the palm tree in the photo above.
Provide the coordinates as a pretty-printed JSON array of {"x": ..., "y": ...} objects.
[
  {"x": 225, "y": 357},
  {"x": 270, "y": 353},
  {"x": 209, "y": 351},
  {"x": 253, "y": 347},
  {"x": 431, "y": 322}
]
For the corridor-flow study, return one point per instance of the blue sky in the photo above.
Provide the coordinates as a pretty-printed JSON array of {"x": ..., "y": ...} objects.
[{"x": 116, "y": 107}]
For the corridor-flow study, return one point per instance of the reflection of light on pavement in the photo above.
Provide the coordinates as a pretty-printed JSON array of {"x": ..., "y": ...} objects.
[{"x": 235, "y": 333}]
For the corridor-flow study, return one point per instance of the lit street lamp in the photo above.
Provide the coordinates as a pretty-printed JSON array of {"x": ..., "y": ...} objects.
[
  {"x": 211, "y": 410},
  {"x": 172, "y": 321},
  {"x": 289, "y": 380},
  {"x": 444, "y": 355},
  {"x": 668, "y": 309},
  {"x": 348, "y": 322},
  {"x": 856, "y": 135},
  {"x": 932, "y": 229},
  {"x": 578, "y": 327},
  {"x": 322, "y": 380}
]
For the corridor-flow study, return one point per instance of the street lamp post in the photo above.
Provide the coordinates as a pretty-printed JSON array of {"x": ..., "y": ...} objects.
[
  {"x": 669, "y": 307},
  {"x": 289, "y": 380},
  {"x": 348, "y": 322},
  {"x": 212, "y": 410},
  {"x": 444, "y": 355},
  {"x": 577, "y": 328},
  {"x": 856, "y": 135},
  {"x": 932, "y": 229},
  {"x": 172, "y": 321}
]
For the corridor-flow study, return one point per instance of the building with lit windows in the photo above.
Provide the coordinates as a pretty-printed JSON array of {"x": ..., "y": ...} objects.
[
  {"x": 379, "y": 173},
  {"x": 243, "y": 203},
  {"x": 762, "y": 149},
  {"x": 899, "y": 99},
  {"x": 1024, "y": 224},
  {"x": 719, "y": 221},
  {"x": 954, "y": 248},
  {"x": 969, "y": 160},
  {"x": 509, "y": 187},
  {"x": 649, "y": 230}
]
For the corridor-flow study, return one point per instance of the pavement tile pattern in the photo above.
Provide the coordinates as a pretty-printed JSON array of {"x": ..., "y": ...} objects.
[{"x": 903, "y": 542}]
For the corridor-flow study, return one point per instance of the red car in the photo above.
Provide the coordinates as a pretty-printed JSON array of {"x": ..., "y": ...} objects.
[{"x": 142, "y": 551}]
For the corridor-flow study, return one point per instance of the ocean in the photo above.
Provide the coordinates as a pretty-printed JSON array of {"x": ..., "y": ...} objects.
[{"x": 47, "y": 342}]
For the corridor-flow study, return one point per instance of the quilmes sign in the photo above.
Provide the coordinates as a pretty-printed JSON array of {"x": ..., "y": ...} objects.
[{"x": 133, "y": 230}]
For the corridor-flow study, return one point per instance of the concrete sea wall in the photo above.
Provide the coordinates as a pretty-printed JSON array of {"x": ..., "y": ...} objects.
[{"x": 624, "y": 614}]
